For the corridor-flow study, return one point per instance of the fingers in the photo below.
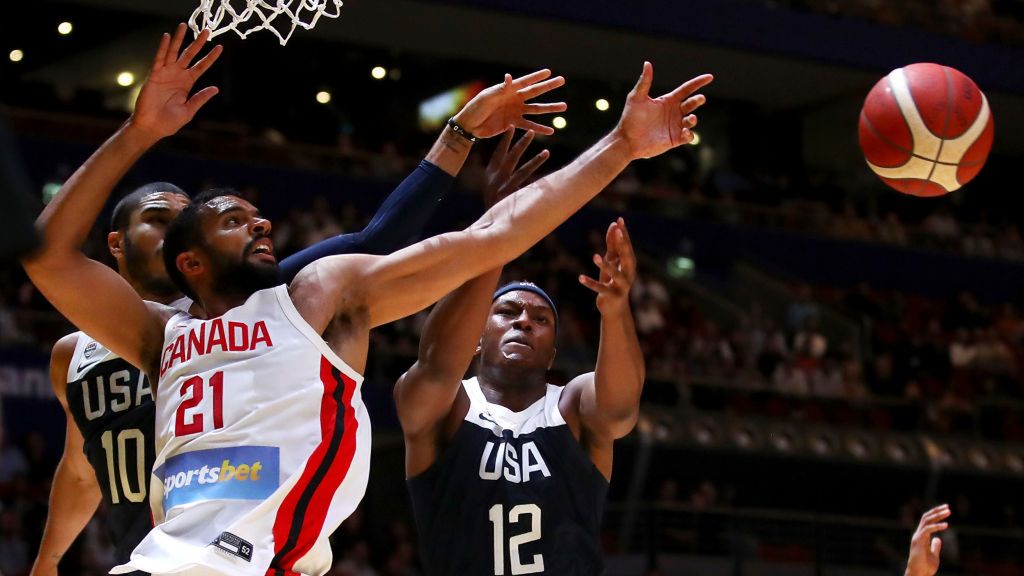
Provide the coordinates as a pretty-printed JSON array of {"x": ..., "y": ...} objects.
[
  {"x": 541, "y": 87},
  {"x": 531, "y": 125},
  {"x": 498, "y": 157},
  {"x": 531, "y": 78},
  {"x": 172, "y": 52},
  {"x": 516, "y": 153},
  {"x": 161, "y": 52},
  {"x": 935, "y": 514},
  {"x": 548, "y": 108},
  {"x": 689, "y": 87},
  {"x": 526, "y": 170},
  {"x": 199, "y": 99},
  {"x": 204, "y": 64},
  {"x": 936, "y": 546},
  {"x": 643, "y": 85},
  {"x": 592, "y": 284},
  {"x": 193, "y": 48},
  {"x": 692, "y": 103},
  {"x": 933, "y": 528},
  {"x": 690, "y": 121},
  {"x": 624, "y": 248}
]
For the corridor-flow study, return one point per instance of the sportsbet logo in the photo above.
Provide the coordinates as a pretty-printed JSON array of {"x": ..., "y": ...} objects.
[{"x": 240, "y": 473}]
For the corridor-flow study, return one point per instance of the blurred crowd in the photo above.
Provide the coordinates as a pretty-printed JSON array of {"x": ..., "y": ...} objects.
[{"x": 978, "y": 20}]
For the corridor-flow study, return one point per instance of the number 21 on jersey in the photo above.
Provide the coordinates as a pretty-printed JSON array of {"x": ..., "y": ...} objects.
[
  {"x": 497, "y": 518},
  {"x": 191, "y": 416}
]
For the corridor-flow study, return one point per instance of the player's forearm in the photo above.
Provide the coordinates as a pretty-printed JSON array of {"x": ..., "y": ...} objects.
[
  {"x": 519, "y": 221},
  {"x": 453, "y": 328},
  {"x": 620, "y": 372},
  {"x": 449, "y": 151},
  {"x": 73, "y": 501},
  {"x": 67, "y": 219}
]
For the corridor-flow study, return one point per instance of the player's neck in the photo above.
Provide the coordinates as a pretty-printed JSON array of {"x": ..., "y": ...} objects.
[
  {"x": 216, "y": 305},
  {"x": 162, "y": 297},
  {"x": 514, "y": 390}
]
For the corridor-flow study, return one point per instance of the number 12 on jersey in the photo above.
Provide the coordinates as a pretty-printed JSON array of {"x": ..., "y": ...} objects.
[
  {"x": 189, "y": 418},
  {"x": 497, "y": 518}
]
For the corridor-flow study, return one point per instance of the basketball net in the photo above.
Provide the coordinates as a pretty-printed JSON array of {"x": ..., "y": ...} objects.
[{"x": 278, "y": 16}]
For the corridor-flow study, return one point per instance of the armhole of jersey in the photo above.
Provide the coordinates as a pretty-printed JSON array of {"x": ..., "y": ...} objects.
[
  {"x": 292, "y": 313},
  {"x": 80, "y": 343},
  {"x": 475, "y": 395},
  {"x": 553, "y": 400}
]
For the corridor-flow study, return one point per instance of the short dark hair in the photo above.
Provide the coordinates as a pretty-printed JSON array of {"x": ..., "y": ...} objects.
[
  {"x": 185, "y": 232},
  {"x": 126, "y": 205}
]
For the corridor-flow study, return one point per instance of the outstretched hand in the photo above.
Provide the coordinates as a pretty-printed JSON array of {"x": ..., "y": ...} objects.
[
  {"x": 164, "y": 105},
  {"x": 502, "y": 177},
  {"x": 618, "y": 271},
  {"x": 925, "y": 546},
  {"x": 652, "y": 126},
  {"x": 494, "y": 109}
]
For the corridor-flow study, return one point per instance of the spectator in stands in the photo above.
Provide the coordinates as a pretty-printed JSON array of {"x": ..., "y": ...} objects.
[
  {"x": 12, "y": 461},
  {"x": 942, "y": 227},
  {"x": 802, "y": 308},
  {"x": 14, "y": 559}
]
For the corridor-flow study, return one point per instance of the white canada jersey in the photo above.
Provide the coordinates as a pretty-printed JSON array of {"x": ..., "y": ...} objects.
[{"x": 262, "y": 445}]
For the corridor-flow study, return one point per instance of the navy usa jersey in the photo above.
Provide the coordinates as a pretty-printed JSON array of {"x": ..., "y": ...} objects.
[
  {"x": 112, "y": 404},
  {"x": 512, "y": 493}
]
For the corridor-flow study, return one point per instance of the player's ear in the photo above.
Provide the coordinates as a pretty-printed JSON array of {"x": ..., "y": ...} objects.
[
  {"x": 479, "y": 346},
  {"x": 554, "y": 354},
  {"x": 115, "y": 243},
  {"x": 189, "y": 264}
]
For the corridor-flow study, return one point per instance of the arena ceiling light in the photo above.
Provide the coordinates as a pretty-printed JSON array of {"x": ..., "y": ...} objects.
[
  {"x": 559, "y": 122},
  {"x": 602, "y": 105},
  {"x": 65, "y": 28},
  {"x": 323, "y": 97},
  {"x": 16, "y": 55},
  {"x": 696, "y": 139},
  {"x": 125, "y": 79},
  {"x": 379, "y": 72}
]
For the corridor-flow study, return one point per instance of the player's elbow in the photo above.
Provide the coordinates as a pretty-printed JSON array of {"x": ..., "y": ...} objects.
[{"x": 622, "y": 422}]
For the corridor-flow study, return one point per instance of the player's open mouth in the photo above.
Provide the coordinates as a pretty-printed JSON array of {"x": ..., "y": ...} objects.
[{"x": 264, "y": 249}]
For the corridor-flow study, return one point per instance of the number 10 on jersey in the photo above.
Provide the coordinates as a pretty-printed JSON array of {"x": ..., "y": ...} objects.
[
  {"x": 497, "y": 518},
  {"x": 190, "y": 416}
]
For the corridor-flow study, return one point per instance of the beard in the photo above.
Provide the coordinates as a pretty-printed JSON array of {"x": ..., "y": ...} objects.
[
  {"x": 239, "y": 276},
  {"x": 139, "y": 268}
]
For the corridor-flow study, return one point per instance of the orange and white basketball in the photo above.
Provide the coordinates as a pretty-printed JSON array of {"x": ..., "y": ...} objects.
[{"x": 926, "y": 129}]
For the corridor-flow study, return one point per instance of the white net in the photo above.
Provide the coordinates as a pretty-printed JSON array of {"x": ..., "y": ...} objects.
[{"x": 243, "y": 17}]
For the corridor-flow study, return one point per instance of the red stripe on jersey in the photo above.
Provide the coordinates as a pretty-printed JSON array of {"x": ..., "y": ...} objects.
[{"x": 292, "y": 542}]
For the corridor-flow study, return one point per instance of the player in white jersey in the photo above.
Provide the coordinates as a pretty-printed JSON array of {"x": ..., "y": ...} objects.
[
  {"x": 109, "y": 447},
  {"x": 234, "y": 390}
]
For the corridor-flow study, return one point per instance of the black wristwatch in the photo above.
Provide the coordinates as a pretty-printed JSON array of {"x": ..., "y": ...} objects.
[{"x": 461, "y": 131}]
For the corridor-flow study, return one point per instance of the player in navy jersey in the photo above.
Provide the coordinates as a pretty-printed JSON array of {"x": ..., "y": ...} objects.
[
  {"x": 108, "y": 452},
  {"x": 508, "y": 474},
  {"x": 225, "y": 420}
]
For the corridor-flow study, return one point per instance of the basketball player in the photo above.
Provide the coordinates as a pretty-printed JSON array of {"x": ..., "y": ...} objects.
[
  {"x": 262, "y": 438},
  {"x": 109, "y": 450},
  {"x": 508, "y": 474},
  {"x": 925, "y": 546}
]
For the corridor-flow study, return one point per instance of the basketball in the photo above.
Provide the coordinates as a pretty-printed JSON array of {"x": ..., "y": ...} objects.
[{"x": 926, "y": 129}]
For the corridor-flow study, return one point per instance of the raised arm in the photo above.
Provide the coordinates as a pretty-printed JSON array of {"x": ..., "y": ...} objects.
[
  {"x": 400, "y": 220},
  {"x": 425, "y": 395},
  {"x": 648, "y": 127},
  {"x": 75, "y": 493},
  {"x": 85, "y": 291},
  {"x": 604, "y": 404},
  {"x": 926, "y": 546}
]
